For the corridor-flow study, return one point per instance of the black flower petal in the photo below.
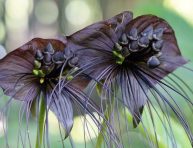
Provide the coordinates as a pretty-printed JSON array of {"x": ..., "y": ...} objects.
[
  {"x": 153, "y": 54},
  {"x": 41, "y": 70},
  {"x": 61, "y": 106}
]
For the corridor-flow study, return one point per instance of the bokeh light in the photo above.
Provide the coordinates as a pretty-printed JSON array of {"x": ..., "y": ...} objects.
[
  {"x": 1, "y": 9},
  {"x": 2, "y": 31},
  {"x": 46, "y": 12},
  {"x": 2, "y": 125},
  {"x": 2, "y": 52},
  {"x": 53, "y": 123},
  {"x": 17, "y": 12},
  {"x": 182, "y": 7},
  {"x": 77, "y": 12},
  {"x": 17, "y": 9},
  {"x": 86, "y": 132}
]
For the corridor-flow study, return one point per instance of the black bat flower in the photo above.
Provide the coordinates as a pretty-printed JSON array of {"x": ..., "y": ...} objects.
[
  {"x": 134, "y": 55},
  {"x": 42, "y": 68}
]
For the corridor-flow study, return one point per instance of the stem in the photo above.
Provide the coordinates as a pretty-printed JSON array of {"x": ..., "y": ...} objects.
[
  {"x": 41, "y": 122},
  {"x": 100, "y": 138}
]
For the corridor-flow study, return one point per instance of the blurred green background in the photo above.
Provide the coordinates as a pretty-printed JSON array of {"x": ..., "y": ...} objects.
[{"x": 22, "y": 20}]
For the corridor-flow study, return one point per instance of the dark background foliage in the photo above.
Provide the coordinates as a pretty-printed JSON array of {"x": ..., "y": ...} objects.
[{"x": 22, "y": 20}]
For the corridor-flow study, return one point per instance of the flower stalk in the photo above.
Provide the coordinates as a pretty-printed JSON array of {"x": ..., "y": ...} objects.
[{"x": 41, "y": 123}]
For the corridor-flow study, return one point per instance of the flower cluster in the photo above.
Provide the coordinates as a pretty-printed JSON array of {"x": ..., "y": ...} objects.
[
  {"x": 42, "y": 71},
  {"x": 126, "y": 57}
]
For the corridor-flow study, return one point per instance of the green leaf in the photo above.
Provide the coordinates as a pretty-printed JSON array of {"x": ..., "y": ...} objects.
[{"x": 162, "y": 135}]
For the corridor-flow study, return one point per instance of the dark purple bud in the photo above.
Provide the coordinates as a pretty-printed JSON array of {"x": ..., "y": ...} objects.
[
  {"x": 158, "y": 33},
  {"x": 39, "y": 56},
  {"x": 124, "y": 40},
  {"x": 157, "y": 45},
  {"x": 58, "y": 57},
  {"x": 68, "y": 53},
  {"x": 133, "y": 34},
  {"x": 148, "y": 32},
  {"x": 73, "y": 62},
  {"x": 49, "y": 49},
  {"x": 153, "y": 62},
  {"x": 143, "y": 42},
  {"x": 47, "y": 59},
  {"x": 133, "y": 46}
]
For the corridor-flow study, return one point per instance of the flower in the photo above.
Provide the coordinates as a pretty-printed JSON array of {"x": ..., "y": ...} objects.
[
  {"x": 43, "y": 71},
  {"x": 134, "y": 55}
]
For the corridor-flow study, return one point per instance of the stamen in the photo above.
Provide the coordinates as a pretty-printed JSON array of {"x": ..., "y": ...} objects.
[
  {"x": 35, "y": 72},
  {"x": 69, "y": 78},
  {"x": 38, "y": 73},
  {"x": 37, "y": 64},
  {"x": 119, "y": 58},
  {"x": 42, "y": 80},
  {"x": 41, "y": 73}
]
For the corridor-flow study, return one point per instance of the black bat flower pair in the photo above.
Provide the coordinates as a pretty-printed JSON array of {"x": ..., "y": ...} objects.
[{"x": 126, "y": 57}]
